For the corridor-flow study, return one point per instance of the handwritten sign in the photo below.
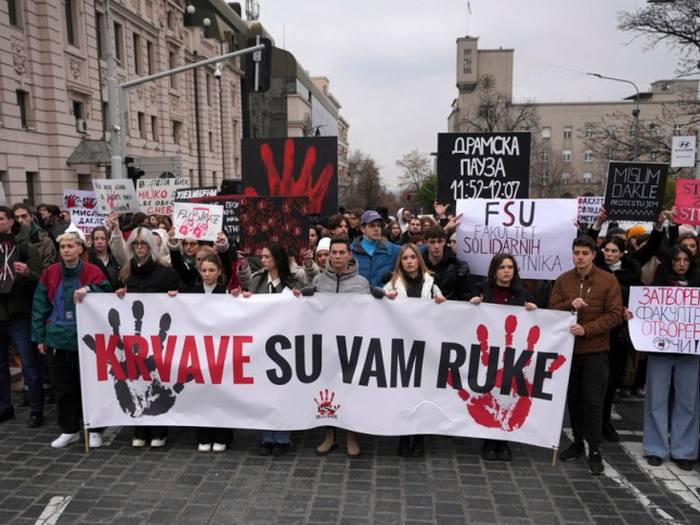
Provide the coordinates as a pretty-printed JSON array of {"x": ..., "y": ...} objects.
[
  {"x": 115, "y": 195},
  {"x": 198, "y": 221},
  {"x": 82, "y": 206},
  {"x": 588, "y": 208},
  {"x": 687, "y": 201},
  {"x": 231, "y": 224},
  {"x": 523, "y": 228},
  {"x": 665, "y": 319},
  {"x": 635, "y": 190},
  {"x": 483, "y": 166},
  {"x": 157, "y": 195},
  {"x": 8, "y": 255}
]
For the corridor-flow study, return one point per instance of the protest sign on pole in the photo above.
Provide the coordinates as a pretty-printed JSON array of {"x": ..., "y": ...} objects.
[
  {"x": 588, "y": 208},
  {"x": 665, "y": 319},
  {"x": 282, "y": 362},
  {"x": 115, "y": 195},
  {"x": 8, "y": 255},
  {"x": 483, "y": 166},
  {"x": 536, "y": 232},
  {"x": 156, "y": 195},
  {"x": 683, "y": 151},
  {"x": 687, "y": 202},
  {"x": 293, "y": 167},
  {"x": 197, "y": 221},
  {"x": 82, "y": 206},
  {"x": 634, "y": 191}
]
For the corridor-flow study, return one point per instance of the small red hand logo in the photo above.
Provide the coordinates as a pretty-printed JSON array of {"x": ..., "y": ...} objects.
[
  {"x": 325, "y": 406},
  {"x": 491, "y": 410}
]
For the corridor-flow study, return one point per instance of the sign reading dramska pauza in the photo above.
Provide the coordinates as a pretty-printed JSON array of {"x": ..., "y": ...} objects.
[
  {"x": 483, "y": 166},
  {"x": 536, "y": 232},
  {"x": 282, "y": 362},
  {"x": 665, "y": 319}
]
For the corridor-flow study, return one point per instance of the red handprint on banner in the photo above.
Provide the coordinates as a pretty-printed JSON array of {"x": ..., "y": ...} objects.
[
  {"x": 506, "y": 412},
  {"x": 287, "y": 185},
  {"x": 324, "y": 404}
]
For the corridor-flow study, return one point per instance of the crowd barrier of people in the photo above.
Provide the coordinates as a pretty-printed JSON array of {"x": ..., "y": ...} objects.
[{"x": 356, "y": 251}]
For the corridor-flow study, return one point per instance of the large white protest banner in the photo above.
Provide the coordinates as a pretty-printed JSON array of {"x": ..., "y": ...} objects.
[
  {"x": 157, "y": 195},
  {"x": 665, "y": 319},
  {"x": 284, "y": 362},
  {"x": 198, "y": 221},
  {"x": 115, "y": 195},
  {"x": 537, "y": 232}
]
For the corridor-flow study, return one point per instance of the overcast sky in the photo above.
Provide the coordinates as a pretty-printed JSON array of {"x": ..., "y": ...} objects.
[{"x": 391, "y": 63}]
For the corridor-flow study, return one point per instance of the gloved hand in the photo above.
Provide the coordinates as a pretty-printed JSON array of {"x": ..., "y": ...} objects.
[
  {"x": 378, "y": 292},
  {"x": 308, "y": 291}
]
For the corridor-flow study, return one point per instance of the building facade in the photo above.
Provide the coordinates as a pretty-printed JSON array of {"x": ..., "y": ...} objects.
[
  {"x": 572, "y": 142},
  {"x": 55, "y": 103}
]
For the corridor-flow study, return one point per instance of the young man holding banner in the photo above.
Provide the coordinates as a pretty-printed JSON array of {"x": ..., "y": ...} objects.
[{"x": 594, "y": 297}]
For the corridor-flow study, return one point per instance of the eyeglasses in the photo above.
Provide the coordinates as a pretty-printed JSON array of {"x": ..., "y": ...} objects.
[
  {"x": 190, "y": 243},
  {"x": 139, "y": 244}
]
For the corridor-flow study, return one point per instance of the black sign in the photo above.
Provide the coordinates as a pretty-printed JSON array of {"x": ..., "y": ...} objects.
[
  {"x": 634, "y": 191},
  {"x": 8, "y": 255},
  {"x": 483, "y": 166},
  {"x": 185, "y": 194}
]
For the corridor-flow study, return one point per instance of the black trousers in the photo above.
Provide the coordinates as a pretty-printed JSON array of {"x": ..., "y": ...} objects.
[
  {"x": 619, "y": 350},
  {"x": 587, "y": 385},
  {"x": 65, "y": 376}
]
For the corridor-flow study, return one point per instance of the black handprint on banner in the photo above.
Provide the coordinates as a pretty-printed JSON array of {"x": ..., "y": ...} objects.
[{"x": 140, "y": 397}]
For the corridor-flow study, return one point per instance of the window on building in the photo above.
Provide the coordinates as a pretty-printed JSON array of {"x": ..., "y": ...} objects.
[
  {"x": 546, "y": 132},
  {"x": 137, "y": 54},
  {"x": 177, "y": 131},
  {"x": 588, "y": 156},
  {"x": 105, "y": 116},
  {"x": 31, "y": 177},
  {"x": 544, "y": 155},
  {"x": 566, "y": 155},
  {"x": 568, "y": 131},
  {"x": 15, "y": 12},
  {"x": 611, "y": 153},
  {"x": 154, "y": 128},
  {"x": 23, "y": 104},
  {"x": 170, "y": 20},
  {"x": 71, "y": 16},
  {"x": 207, "y": 79},
  {"x": 118, "y": 38},
  {"x": 589, "y": 132},
  {"x": 172, "y": 64},
  {"x": 587, "y": 177},
  {"x": 141, "y": 121},
  {"x": 632, "y": 131},
  {"x": 486, "y": 110},
  {"x": 85, "y": 182},
  {"x": 150, "y": 57},
  {"x": 677, "y": 130},
  {"x": 565, "y": 178},
  {"x": 211, "y": 141},
  {"x": 612, "y": 130},
  {"x": 99, "y": 35}
]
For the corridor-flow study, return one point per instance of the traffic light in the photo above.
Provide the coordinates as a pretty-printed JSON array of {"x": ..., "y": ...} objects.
[
  {"x": 408, "y": 195},
  {"x": 258, "y": 66}
]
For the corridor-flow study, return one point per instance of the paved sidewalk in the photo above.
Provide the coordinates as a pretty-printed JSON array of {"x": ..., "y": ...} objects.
[{"x": 450, "y": 485}]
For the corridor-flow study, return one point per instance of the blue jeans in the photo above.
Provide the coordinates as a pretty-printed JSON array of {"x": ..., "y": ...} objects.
[
  {"x": 683, "y": 371},
  {"x": 20, "y": 332},
  {"x": 277, "y": 436}
]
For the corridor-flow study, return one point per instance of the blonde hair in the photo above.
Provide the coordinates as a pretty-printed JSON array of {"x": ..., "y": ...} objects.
[
  {"x": 398, "y": 269},
  {"x": 147, "y": 237}
]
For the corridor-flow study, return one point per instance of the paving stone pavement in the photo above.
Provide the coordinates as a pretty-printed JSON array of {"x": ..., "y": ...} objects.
[{"x": 450, "y": 485}]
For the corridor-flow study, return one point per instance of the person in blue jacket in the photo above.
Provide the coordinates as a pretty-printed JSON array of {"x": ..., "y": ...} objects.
[{"x": 376, "y": 257}]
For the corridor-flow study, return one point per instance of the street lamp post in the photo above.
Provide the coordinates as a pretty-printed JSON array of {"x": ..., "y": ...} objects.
[{"x": 635, "y": 111}]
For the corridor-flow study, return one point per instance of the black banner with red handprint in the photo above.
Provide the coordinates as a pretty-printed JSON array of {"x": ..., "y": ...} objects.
[{"x": 293, "y": 167}]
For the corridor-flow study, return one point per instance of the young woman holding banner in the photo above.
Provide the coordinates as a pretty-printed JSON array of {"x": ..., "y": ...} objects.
[
  {"x": 411, "y": 278},
  {"x": 274, "y": 277},
  {"x": 680, "y": 370},
  {"x": 501, "y": 286}
]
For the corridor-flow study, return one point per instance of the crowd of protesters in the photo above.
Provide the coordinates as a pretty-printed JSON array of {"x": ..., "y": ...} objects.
[{"x": 356, "y": 251}]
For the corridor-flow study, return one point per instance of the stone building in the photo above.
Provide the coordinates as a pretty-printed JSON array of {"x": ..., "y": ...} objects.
[
  {"x": 572, "y": 142},
  {"x": 54, "y": 101}
]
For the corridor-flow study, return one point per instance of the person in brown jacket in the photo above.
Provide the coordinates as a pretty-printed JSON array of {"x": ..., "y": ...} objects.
[{"x": 594, "y": 297}]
